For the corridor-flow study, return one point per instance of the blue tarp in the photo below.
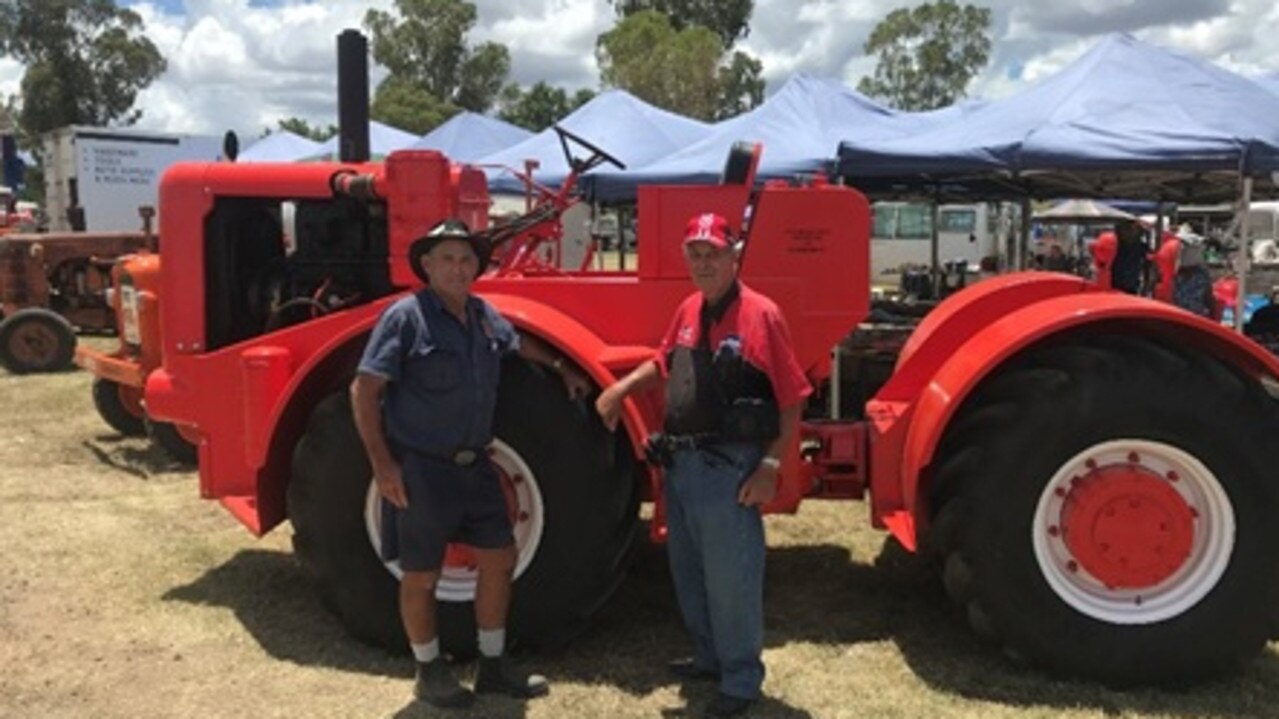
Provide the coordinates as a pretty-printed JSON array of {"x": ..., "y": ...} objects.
[
  {"x": 800, "y": 127},
  {"x": 383, "y": 140},
  {"x": 615, "y": 121},
  {"x": 469, "y": 136},
  {"x": 280, "y": 146},
  {"x": 1125, "y": 106}
]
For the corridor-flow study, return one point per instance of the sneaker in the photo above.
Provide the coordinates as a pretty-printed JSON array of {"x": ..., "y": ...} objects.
[
  {"x": 436, "y": 686},
  {"x": 724, "y": 705},
  {"x": 498, "y": 676},
  {"x": 688, "y": 671}
]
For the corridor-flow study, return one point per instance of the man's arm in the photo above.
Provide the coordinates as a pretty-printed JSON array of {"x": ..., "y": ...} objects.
[
  {"x": 533, "y": 349},
  {"x": 366, "y": 406},
  {"x": 761, "y": 486},
  {"x": 609, "y": 404}
]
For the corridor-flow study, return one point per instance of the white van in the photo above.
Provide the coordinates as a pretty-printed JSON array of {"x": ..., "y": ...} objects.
[{"x": 901, "y": 232}]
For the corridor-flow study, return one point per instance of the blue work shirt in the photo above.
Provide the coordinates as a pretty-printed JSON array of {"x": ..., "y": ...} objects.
[{"x": 441, "y": 374}]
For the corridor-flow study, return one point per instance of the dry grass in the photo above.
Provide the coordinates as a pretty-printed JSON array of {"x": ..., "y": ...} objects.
[{"x": 123, "y": 595}]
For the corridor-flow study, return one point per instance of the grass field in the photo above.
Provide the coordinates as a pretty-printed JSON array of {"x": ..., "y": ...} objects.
[{"x": 124, "y": 595}]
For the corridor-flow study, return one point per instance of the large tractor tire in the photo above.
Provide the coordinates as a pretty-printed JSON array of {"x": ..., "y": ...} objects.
[
  {"x": 574, "y": 500},
  {"x": 36, "y": 340},
  {"x": 1108, "y": 510},
  {"x": 167, "y": 437},
  {"x": 117, "y": 408}
]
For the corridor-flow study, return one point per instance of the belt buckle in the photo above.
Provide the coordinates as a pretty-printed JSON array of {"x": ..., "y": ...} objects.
[{"x": 465, "y": 457}]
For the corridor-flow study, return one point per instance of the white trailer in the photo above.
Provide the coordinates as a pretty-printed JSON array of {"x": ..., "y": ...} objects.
[{"x": 105, "y": 174}]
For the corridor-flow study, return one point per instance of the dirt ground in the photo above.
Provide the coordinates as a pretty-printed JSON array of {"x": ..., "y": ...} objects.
[{"x": 122, "y": 594}]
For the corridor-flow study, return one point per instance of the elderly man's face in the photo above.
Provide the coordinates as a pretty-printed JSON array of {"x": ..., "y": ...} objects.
[
  {"x": 712, "y": 268},
  {"x": 452, "y": 266}
]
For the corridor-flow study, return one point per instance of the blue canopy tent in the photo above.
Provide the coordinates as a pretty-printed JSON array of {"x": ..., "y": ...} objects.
[
  {"x": 800, "y": 126},
  {"x": 280, "y": 146},
  {"x": 616, "y": 121},
  {"x": 1127, "y": 119},
  {"x": 383, "y": 140},
  {"x": 469, "y": 136},
  {"x": 1270, "y": 82}
]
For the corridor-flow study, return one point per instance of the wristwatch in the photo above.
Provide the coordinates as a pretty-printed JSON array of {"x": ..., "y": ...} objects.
[{"x": 772, "y": 463}]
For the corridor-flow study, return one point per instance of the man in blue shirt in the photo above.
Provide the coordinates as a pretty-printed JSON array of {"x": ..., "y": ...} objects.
[{"x": 423, "y": 399}]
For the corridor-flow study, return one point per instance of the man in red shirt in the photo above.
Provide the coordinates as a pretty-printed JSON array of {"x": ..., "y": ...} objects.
[{"x": 734, "y": 393}]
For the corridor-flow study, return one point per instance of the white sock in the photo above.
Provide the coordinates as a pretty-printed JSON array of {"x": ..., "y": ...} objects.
[
  {"x": 427, "y": 652},
  {"x": 492, "y": 642}
]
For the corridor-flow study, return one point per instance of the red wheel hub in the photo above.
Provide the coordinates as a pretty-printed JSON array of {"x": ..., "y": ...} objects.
[{"x": 1127, "y": 526}]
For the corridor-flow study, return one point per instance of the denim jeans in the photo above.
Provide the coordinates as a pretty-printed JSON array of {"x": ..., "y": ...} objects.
[{"x": 716, "y": 550}]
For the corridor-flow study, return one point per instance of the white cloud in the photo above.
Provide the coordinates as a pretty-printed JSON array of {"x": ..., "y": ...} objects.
[{"x": 242, "y": 66}]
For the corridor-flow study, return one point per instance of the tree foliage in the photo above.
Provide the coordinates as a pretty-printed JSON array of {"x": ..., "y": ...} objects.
[
  {"x": 407, "y": 106},
  {"x": 424, "y": 47},
  {"x": 540, "y": 106},
  {"x": 729, "y": 19},
  {"x": 298, "y": 126},
  {"x": 927, "y": 55},
  {"x": 684, "y": 71},
  {"x": 86, "y": 61}
]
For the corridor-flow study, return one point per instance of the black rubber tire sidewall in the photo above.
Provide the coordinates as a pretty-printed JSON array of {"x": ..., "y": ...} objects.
[
  {"x": 106, "y": 399},
  {"x": 63, "y": 354},
  {"x": 166, "y": 436}
]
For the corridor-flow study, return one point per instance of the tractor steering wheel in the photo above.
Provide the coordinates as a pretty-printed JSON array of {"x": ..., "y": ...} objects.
[{"x": 597, "y": 155}]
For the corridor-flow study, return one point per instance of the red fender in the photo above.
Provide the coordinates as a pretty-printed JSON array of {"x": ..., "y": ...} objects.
[{"x": 911, "y": 428}]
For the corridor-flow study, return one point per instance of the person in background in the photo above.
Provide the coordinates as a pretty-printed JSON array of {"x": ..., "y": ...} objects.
[
  {"x": 734, "y": 393},
  {"x": 424, "y": 397}
]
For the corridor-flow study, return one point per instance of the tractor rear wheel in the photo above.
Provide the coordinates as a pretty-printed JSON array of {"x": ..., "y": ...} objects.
[
  {"x": 115, "y": 408},
  {"x": 1109, "y": 512},
  {"x": 573, "y": 496},
  {"x": 36, "y": 340},
  {"x": 167, "y": 437}
]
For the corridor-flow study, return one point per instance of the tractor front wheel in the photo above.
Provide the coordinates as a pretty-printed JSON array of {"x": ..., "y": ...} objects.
[
  {"x": 168, "y": 438},
  {"x": 36, "y": 340},
  {"x": 1107, "y": 510},
  {"x": 572, "y": 495},
  {"x": 119, "y": 407}
]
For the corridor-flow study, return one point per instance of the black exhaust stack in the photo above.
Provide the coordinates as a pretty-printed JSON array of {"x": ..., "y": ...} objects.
[{"x": 353, "y": 97}]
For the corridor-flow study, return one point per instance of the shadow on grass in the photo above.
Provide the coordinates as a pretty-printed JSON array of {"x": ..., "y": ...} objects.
[
  {"x": 814, "y": 594},
  {"x": 136, "y": 456}
]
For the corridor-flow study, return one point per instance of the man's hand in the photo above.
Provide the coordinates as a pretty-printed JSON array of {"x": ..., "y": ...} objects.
[
  {"x": 390, "y": 484},
  {"x": 578, "y": 384},
  {"x": 609, "y": 405},
  {"x": 759, "y": 488}
]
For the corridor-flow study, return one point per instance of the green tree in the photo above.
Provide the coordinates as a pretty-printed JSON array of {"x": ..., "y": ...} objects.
[
  {"x": 927, "y": 55},
  {"x": 741, "y": 85},
  {"x": 298, "y": 126},
  {"x": 425, "y": 47},
  {"x": 673, "y": 69},
  {"x": 729, "y": 19},
  {"x": 402, "y": 104},
  {"x": 86, "y": 61},
  {"x": 541, "y": 105}
]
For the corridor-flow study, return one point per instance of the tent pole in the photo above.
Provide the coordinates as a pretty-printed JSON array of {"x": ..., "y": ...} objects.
[
  {"x": 1244, "y": 258},
  {"x": 1023, "y": 242},
  {"x": 934, "y": 250}
]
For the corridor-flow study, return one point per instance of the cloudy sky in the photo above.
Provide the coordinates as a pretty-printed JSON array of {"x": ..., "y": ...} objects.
[{"x": 245, "y": 64}]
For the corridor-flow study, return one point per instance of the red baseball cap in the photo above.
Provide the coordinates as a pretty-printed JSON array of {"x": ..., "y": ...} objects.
[{"x": 708, "y": 227}]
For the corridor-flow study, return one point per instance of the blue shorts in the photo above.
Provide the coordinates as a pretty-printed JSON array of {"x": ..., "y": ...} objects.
[{"x": 447, "y": 503}]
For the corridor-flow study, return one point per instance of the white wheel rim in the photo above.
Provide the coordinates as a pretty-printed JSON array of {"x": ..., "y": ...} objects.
[
  {"x": 457, "y": 584},
  {"x": 1211, "y": 546}
]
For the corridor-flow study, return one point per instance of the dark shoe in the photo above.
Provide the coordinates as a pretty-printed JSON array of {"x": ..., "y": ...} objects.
[
  {"x": 687, "y": 670},
  {"x": 724, "y": 705},
  {"x": 436, "y": 686},
  {"x": 498, "y": 676}
]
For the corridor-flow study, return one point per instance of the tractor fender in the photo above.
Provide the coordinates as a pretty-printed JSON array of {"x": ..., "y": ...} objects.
[
  {"x": 987, "y": 349},
  {"x": 600, "y": 361}
]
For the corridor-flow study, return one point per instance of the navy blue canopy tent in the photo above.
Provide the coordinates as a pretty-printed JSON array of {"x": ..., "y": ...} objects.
[
  {"x": 469, "y": 136},
  {"x": 1127, "y": 119},
  {"x": 383, "y": 140},
  {"x": 800, "y": 126},
  {"x": 280, "y": 146},
  {"x": 615, "y": 121}
]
